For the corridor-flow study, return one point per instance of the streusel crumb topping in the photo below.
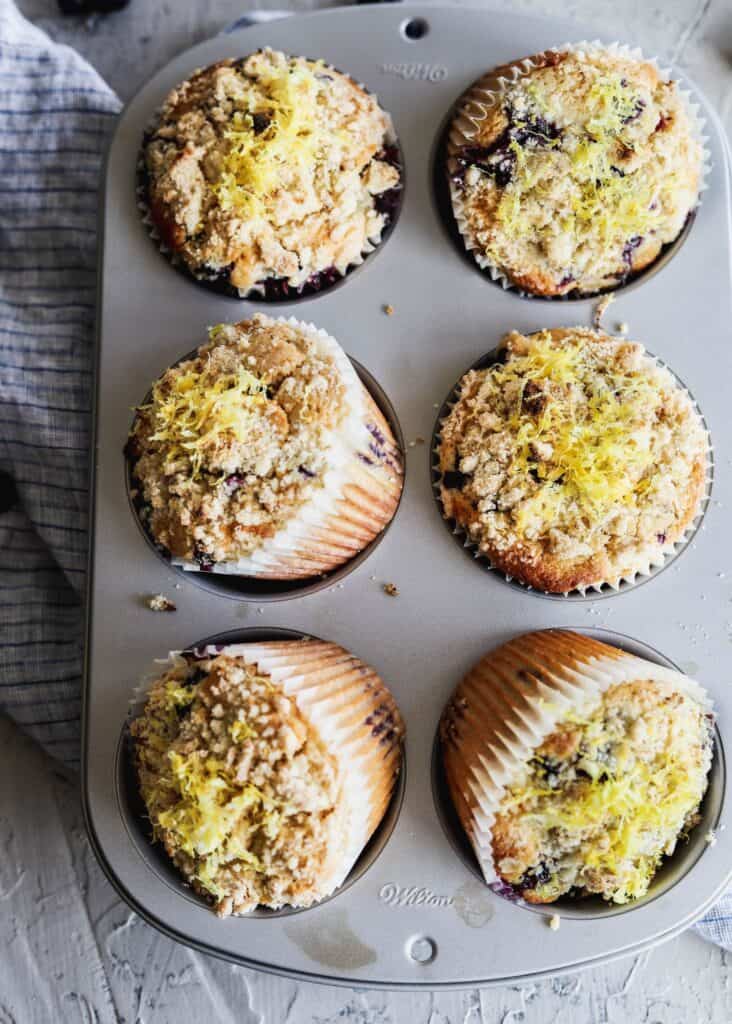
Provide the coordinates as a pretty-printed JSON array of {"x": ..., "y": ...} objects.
[
  {"x": 236, "y": 784},
  {"x": 269, "y": 167}
]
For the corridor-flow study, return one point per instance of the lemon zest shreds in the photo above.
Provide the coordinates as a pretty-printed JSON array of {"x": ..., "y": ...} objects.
[
  {"x": 599, "y": 458},
  {"x": 603, "y": 200},
  {"x": 268, "y": 139},
  {"x": 194, "y": 409}
]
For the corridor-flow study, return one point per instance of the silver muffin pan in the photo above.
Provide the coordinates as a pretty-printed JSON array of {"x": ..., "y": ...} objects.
[{"x": 416, "y": 914}]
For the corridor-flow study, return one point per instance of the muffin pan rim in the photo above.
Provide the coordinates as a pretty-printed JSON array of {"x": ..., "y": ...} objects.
[{"x": 106, "y": 686}]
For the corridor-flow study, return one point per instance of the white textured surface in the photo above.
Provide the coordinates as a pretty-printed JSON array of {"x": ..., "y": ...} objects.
[{"x": 71, "y": 950}]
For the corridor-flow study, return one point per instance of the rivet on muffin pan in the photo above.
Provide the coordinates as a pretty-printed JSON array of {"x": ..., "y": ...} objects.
[
  {"x": 347, "y": 712},
  {"x": 510, "y": 703}
]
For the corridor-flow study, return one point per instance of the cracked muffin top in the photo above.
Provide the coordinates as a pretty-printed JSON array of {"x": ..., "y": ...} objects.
[
  {"x": 236, "y": 441},
  {"x": 605, "y": 796},
  {"x": 576, "y": 460},
  {"x": 270, "y": 168},
  {"x": 584, "y": 168}
]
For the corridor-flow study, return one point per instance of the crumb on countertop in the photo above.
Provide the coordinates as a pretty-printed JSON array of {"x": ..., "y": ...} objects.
[
  {"x": 419, "y": 439},
  {"x": 391, "y": 589},
  {"x": 601, "y": 308},
  {"x": 160, "y": 603},
  {"x": 622, "y": 327},
  {"x": 554, "y": 922},
  {"x": 388, "y": 309}
]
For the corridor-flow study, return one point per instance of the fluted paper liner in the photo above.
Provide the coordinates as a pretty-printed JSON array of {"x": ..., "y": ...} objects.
[
  {"x": 353, "y": 715},
  {"x": 489, "y": 90},
  {"x": 511, "y": 701},
  {"x": 257, "y": 291},
  {"x": 652, "y": 561},
  {"x": 357, "y": 498}
]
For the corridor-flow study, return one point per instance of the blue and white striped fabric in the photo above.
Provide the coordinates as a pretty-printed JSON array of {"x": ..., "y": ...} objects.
[{"x": 56, "y": 115}]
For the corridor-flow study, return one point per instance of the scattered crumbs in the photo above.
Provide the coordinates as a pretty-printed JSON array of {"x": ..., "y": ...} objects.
[
  {"x": 388, "y": 309},
  {"x": 711, "y": 837},
  {"x": 419, "y": 439},
  {"x": 412, "y": 444},
  {"x": 391, "y": 589},
  {"x": 177, "y": 586},
  {"x": 554, "y": 922},
  {"x": 622, "y": 327},
  {"x": 160, "y": 603},
  {"x": 373, "y": 578},
  {"x": 601, "y": 308},
  {"x": 341, "y": 586},
  {"x": 721, "y": 575},
  {"x": 260, "y": 611},
  {"x": 435, "y": 405}
]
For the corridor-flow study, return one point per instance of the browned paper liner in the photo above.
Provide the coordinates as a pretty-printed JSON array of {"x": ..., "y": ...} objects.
[
  {"x": 488, "y": 91},
  {"x": 511, "y": 701}
]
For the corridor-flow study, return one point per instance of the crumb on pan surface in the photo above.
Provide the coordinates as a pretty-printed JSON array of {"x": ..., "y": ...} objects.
[
  {"x": 575, "y": 461},
  {"x": 586, "y": 167},
  {"x": 238, "y": 440},
  {"x": 605, "y": 797},
  {"x": 240, "y": 786},
  {"x": 270, "y": 167}
]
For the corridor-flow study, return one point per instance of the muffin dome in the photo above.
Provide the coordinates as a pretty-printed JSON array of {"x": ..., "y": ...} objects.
[
  {"x": 270, "y": 173},
  {"x": 265, "y": 768},
  {"x": 575, "y": 768},
  {"x": 574, "y": 461},
  {"x": 569, "y": 171},
  {"x": 264, "y": 455}
]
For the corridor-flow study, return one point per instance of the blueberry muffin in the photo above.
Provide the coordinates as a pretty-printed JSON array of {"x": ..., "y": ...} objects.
[
  {"x": 270, "y": 174},
  {"x": 265, "y": 768},
  {"x": 570, "y": 171},
  {"x": 605, "y": 773},
  {"x": 572, "y": 461},
  {"x": 264, "y": 455}
]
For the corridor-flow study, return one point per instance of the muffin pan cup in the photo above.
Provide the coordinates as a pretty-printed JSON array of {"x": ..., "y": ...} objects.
[
  {"x": 593, "y": 591},
  {"x": 487, "y": 92},
  {"x": 446, "y": 615}
]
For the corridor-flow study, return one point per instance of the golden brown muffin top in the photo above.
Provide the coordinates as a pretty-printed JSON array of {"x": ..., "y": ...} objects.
[{"x": 575, "y": 460}]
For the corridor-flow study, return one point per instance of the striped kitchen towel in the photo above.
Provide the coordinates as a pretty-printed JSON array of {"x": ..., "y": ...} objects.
[{"x": 56, "y": 115}]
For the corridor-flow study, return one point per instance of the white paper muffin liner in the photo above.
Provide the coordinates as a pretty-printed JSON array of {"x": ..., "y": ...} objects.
[
  {"x": 511, "y": 701},
  {"x": 489, "y": 91},
  {"x": 354, "y": 716},
  {"x": 650, "y": 562},
  {"x": 296, "y": 288}
]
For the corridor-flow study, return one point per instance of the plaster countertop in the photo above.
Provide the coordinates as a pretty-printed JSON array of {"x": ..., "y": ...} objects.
[{"x": 71, "y": 950}]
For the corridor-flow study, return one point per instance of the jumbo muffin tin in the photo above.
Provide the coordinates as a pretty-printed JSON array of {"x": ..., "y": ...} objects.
[{"x": 414, "y": 912}]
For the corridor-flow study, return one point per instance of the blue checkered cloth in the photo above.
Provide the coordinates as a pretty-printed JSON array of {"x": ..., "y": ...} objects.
[{"x": 56, "y": 115}]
